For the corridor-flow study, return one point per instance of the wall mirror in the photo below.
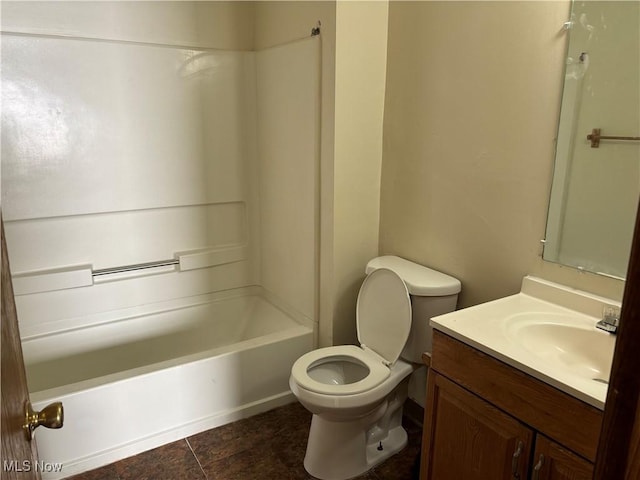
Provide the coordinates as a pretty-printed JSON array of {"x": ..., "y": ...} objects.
[{"x": 596, "y": 181}]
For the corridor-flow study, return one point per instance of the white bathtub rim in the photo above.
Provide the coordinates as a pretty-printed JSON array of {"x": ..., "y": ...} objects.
[
  {"x": 63, "y": 391},
  {"x": 158, "y": 439}
]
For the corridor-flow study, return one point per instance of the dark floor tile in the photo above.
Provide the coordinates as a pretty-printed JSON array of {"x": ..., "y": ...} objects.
[
  {"x": 290, "y": 442},
  {"x": 259, "y": 462},
  {"x": 108, "y": 472},
  {"x": 291, "y": 414},
  {"x": 368, "y": 476},
  {"x": 290, "y": 452},
  {"x": 174, "y": 461},
  {"x": 224, "y": 441},
  {"x": 246, "y": 434},
  {"x": 273, "y": 443}
]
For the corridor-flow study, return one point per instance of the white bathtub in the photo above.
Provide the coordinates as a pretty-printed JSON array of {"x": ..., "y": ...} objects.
[{"x": 148, "y": 379}]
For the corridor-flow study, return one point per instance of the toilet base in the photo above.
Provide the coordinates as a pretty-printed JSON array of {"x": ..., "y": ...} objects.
[
  {"x": 341, "y": 450},
  {"x": 395, "y": 441}
]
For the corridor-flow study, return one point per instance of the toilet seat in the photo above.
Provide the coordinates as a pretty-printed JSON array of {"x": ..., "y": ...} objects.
[
  {"x": 383, "y": 319},
  {"x": 378, "y": 371}
]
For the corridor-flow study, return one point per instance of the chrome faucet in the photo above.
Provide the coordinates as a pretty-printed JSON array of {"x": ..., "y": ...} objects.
[{"x": 610, "y": 319}]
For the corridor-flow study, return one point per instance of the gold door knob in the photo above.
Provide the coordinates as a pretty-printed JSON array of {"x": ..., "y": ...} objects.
[{"x": 51, "y": 416}]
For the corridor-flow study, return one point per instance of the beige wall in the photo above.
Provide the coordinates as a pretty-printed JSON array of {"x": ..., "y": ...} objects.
[
  {"x": 473, "y": 92},
  {"x": 361, "y": 48}
]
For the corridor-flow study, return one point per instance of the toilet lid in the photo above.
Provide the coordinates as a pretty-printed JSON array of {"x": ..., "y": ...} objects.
[{"x": 383, "y": 314}]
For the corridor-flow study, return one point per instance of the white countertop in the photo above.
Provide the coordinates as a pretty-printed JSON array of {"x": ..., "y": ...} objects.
[{"x": 486, "y": 327}]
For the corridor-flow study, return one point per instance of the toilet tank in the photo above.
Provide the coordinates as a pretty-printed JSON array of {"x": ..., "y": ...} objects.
[{"x": 432, "y": 293}]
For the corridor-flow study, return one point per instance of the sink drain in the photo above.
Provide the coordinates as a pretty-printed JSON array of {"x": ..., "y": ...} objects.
[{"x": 601, "y": 380}]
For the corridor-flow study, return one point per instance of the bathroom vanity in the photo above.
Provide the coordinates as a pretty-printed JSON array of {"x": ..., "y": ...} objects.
[{"x": 516, "y": 388}]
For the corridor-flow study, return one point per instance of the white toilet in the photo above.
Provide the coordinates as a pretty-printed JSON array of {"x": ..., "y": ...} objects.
[{"x": 356, "y": 393}]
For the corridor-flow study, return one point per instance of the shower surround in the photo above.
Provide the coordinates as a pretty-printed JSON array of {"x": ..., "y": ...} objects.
[{"x": 119, "y": 153}]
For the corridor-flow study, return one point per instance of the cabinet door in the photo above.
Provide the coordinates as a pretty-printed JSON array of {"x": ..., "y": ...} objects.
[
  {"x": 467, "y": 438},
  {"x": 553, "y": 462}
]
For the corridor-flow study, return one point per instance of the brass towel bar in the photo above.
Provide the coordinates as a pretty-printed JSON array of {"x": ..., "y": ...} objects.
[{"x": 595, "y": 138}]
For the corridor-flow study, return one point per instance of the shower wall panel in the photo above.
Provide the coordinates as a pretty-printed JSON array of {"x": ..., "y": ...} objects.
[
  {"x": 93, "y": 127},
  {"x": 118, "y": 153},
  {"x": 215, "y": 24},
  {"x": 288, "y": 99}
]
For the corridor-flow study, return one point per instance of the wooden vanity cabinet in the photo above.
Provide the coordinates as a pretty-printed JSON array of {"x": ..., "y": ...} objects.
[
  {"x": 472, "y": 439},
  {"x": 486, "y": 420}
]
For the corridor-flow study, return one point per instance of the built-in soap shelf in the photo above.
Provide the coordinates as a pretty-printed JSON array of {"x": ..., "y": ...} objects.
[{"x": 85, "y": 275}]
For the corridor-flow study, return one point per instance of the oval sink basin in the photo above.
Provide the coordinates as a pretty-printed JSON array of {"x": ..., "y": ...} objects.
[{"x": 567, "y": 342}]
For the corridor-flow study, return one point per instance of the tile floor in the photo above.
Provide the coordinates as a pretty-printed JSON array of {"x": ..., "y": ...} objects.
[{"x": 268, "y": 446}]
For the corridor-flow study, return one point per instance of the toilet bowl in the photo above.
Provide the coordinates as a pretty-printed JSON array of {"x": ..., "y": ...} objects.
[
  {"x": 356, "y": 393},
  {"x": 344, "y": 381}
]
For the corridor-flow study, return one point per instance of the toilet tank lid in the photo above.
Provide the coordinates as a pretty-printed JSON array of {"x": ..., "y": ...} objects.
[{"x": 420, "y": 280}]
